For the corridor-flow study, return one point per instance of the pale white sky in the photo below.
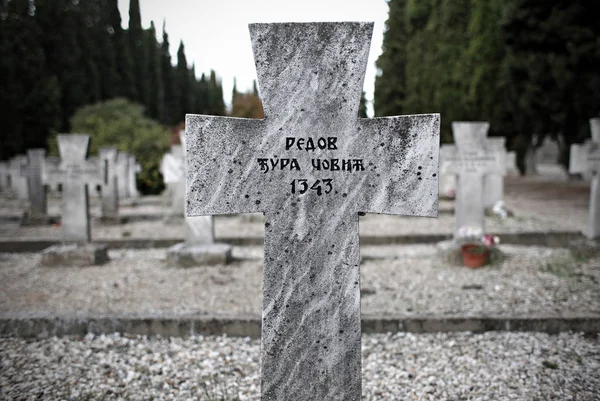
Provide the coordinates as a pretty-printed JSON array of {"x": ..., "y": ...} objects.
[{"x": 215, "y": 32}]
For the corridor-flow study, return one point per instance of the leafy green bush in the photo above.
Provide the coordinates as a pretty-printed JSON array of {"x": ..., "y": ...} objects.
[{"x": 122, "y": 124}]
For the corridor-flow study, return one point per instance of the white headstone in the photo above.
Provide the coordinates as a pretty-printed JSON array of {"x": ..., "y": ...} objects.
[
  {"x": 587, "y": 160},
  {"x": 110, "y": 192},
  {"x": 122, "y": 171},
  {"x": 17, "y": 181},
  {"x": 132, "y": 180},
  {"x": 32, "y": 172},
  {"x": 75, "y": 173},
  {"x": 493, "y": 183},
  {"x": 3, "y": 176},
  {"x": 172, "y": 167},
  {"x": 447, "y": 180},
  {"x": 471, "y": 162}
]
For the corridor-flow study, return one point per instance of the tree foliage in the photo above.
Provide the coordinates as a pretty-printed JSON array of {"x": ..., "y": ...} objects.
[
  {"x": 123, "y": 124},
  {"x": 59, "y": 55},
  {"x": 529, "y": 67}
]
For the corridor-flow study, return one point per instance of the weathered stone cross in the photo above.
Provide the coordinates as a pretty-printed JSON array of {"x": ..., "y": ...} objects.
[
  {"x": 311, "y": 166},
  {"x": 33, "y": 172},
  {"x": 74, "y": 173},
  {"x": 471, "y": 161},
  {"x": 110, "y": 192},
  {"x": 587, "y": 160}
]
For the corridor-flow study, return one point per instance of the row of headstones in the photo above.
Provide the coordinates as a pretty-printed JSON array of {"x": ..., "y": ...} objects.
[
  {"x": 29, "y": 177},
  {"x": 16, "y": 174}
]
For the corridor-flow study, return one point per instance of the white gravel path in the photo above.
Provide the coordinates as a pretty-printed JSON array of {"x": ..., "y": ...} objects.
[
  {"x": 460, "y": 366},
  {"x": 410, "y": 281}
]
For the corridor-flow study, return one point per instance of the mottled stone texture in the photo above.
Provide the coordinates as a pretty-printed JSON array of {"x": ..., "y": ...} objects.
[
  {"x": 586, "y": 159},
  {"x": 110, "y": 192},
  {"x": 471, "y": 162},
  {"x": 310, "y": 78}
]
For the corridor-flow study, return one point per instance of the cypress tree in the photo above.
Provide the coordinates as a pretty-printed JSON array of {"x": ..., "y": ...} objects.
[
  {"x": 362, "y": 110},
  {"x": 88, "y": 19},
  {"x": 202, "y": 100},
  {"x": 138, "y": 52},
  {"x": 552, "y": 64},
  {"x": 166, "y": 70},
  {"x": 234, "y": 92},
  {"x": 30, "y": 95},
  {"x": 155, "y": 88},
  {"x": 106, "y": 59},
  {"x": 64, "y": 53},
  {"x": 390, "y": 81},
  {"x": 183, "y": 89},
  {"x": 125, "y": 86}
]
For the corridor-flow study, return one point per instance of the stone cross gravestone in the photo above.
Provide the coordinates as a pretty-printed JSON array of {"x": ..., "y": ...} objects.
[
  {"x": 471, "y": 162},
  {"x": 587, "y": 160},
  {"x": 50, "y": 164},
  {"x": 311, "y": 166},
  {"x": 447, "y": 180},
  {"x": 122, "y": 172},
  {"x": 32, "y": 171},
  {"x": 17, "y": 181},
  {"x": 4, "y": 176},
  {"x": 75, "y": 172},
  {"x": 132, "y": 169},
  {"x": 110, "y": 194},
  {"x": 173, "y": 173},
  {"x": 493, "y": 183}
]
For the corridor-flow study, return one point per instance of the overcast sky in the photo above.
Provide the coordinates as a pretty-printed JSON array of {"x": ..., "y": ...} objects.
[{"x": 215, "y": 32}]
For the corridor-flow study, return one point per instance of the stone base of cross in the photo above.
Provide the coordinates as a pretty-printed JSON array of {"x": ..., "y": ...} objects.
[{"x": 311, "y": 166}]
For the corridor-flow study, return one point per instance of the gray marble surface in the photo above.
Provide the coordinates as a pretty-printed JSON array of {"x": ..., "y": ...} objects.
[{"x": 310, "y": 78}]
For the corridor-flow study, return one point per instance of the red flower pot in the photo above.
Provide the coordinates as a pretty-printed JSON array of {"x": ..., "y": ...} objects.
[{"x": 475, "y": 255}]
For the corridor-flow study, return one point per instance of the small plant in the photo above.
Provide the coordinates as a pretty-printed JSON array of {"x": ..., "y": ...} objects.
[{"x": 475, "y": 245}]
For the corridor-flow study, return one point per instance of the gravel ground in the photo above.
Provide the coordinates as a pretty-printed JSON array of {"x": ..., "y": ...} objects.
[
  {"x": 252, "y": 225},
  {"x": 410, "y": 281},
  {"x": 459, "y": 366}
]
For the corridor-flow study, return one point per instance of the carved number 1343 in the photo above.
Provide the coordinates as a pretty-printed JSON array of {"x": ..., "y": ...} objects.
[{"x": 320, "y": 186}]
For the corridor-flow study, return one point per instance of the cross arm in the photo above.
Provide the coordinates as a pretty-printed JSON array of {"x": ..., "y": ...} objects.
[
  {"x": 402, "y": 155},
  {"x": 221, "y": 169}
]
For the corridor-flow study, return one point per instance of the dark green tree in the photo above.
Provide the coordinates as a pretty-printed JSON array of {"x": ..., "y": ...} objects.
[
  {"x": 125, "y": 86},
  {"x": 138, "y": 52},
  {"x": 362, "y": 110},
  {"x": 553, "y": 54},
  {"x": 216, "y": 105},
  {"x": 182, "y": 78},
  {"x": 390, "y": 80},
  {"x": 154, "y": 84},
  {"x": 30, "y": 94},
  {"x": 171, "y": 102},
  {"x": 105, "y": 56}
]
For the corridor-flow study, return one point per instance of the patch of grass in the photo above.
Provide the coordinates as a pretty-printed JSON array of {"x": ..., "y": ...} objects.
[
  {"x": 550, "y": 364},
  {"x": 561, "y": 266}
]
